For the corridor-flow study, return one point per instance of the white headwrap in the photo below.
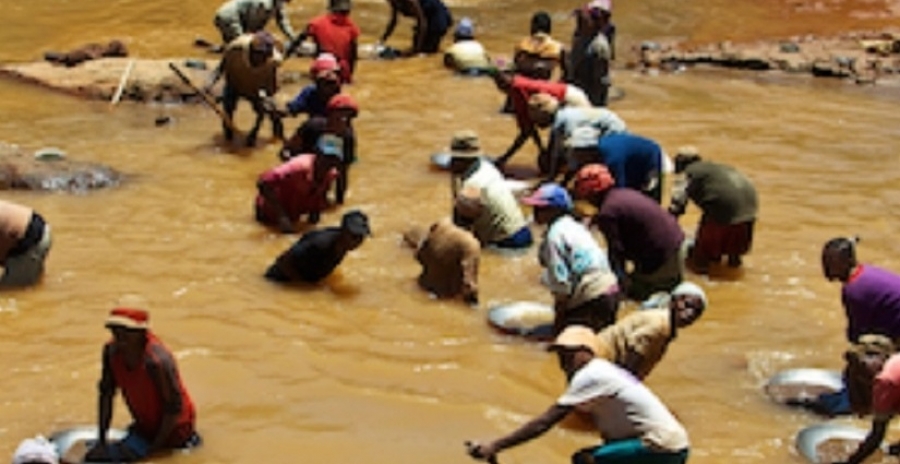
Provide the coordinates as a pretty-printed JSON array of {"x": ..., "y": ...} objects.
[{"x": 36, "y": 449}]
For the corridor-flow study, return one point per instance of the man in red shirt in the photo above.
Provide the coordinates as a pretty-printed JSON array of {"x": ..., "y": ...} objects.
[
  {"x": 299, "y": 186},
  {"x": 520, "y": 90},
  {"x": 873, "y": 382},
  {"x": 337, "y": 34},
  {"x": 136, "y": 362}
]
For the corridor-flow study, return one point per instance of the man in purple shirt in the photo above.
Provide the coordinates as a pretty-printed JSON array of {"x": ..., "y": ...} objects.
[
  {"x": 871, "y": 298},
  {"x": 638, "y": 230},
  {"x": 871, "y": 295}
]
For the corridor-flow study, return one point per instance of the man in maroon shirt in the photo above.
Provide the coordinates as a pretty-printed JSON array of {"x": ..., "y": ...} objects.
[
  {"x": 139, "y": 365},
  {"x": 638, "y": 230}
]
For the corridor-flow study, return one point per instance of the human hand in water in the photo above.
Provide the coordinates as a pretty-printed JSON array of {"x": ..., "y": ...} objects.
[{"x": 482, "y": 452}]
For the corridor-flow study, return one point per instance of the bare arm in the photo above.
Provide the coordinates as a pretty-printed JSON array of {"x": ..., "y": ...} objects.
[
  {"x": 871, "y": 443},
  {"x": 532, "y": 429},
  {"x": 284, "y": 223},
  {"x": 165, "y": 379},
  {"x": 516, "y": 145},
  {"x": 392, "y": 23},
  {"x": 107, "y": 390}
]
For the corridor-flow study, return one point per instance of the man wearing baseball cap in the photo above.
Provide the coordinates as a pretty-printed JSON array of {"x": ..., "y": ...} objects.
[
  {"x": 576, "y": 269},
  {"x": 299, "y": 186},
  {"x": 313, "y": 99},
  {"x": 634, "y": 424},
  {"x": 340, "y": 111},
  {"x": 637, "y": 230},
  {"x": 138, "y": 364},
  {"x": 318, "y": 253}
]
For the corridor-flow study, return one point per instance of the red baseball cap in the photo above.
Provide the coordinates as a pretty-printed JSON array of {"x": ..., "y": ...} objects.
[
  {"x": 342, "y": 101},
  {"x": 593, "y": 178},
  {"x": 128, "y": 318},
  {"x": 326, "y": 62}
]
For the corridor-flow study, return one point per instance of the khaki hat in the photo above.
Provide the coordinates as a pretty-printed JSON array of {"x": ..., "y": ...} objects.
[
  {"x": 465, "y": 141},
  {"x": 687, "y": 150},
  {"x": 575, "y": 337}
]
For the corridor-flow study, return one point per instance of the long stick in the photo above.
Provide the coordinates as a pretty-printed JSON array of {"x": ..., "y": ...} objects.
[
  {"x": 118, "y": 95},
  {"x": 207, "y": 98}
]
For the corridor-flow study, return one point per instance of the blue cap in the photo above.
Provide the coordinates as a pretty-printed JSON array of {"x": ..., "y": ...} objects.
[
  {"x": 331, "y": 145},
  {"x": 465, "y": 28},
  {"x": 550, "y": 195}
]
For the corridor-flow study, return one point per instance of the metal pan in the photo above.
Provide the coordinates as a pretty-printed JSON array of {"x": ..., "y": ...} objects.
[
  {"x": 810, "y": 438},
  {"x": 794, "y": 385},
  {"x": 66, "y": 440},
  {"x": 524, "y": 318}
]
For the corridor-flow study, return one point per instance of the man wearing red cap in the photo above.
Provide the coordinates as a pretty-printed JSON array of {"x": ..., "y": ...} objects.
[
  {"x": 339, "y": 114},
  {"x": 313, "y": 98},
  {"x": 636, "y": 229},
  {"x": 138, "y": 364}
]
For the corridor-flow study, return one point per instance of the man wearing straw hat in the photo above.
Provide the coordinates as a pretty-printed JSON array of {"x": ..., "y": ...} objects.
[
  {"x": 634, "y": 424},
  {"x": 138, "y": 364}
]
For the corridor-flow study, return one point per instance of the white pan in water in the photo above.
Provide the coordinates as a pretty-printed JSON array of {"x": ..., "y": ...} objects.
[
  {"x": 525, "y": 318},
  {"x": 67, "y": 440},
  {"x": 803, "y": 383},
  {"x": 810, "y": 438}
]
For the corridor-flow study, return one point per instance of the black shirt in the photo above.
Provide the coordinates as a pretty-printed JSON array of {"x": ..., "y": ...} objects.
[{"x": 313, "y": 257}]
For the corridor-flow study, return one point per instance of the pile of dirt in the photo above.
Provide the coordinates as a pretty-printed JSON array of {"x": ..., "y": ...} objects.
[
  {"x": 871, "y": 57},
  {"x": 50, "y": 169},
  {"x": 148, "y": 81}
]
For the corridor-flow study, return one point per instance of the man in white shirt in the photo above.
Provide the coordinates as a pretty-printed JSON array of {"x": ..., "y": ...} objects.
[
  {"x": 634, "y": 424},
  {"x": 466, "y": 55}
]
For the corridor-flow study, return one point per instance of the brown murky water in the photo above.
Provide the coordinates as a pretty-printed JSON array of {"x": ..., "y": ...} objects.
[{"x": 366, "y": 367}]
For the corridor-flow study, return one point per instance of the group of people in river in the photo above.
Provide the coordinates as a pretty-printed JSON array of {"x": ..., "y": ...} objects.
[{"x": 589, "y": 155}]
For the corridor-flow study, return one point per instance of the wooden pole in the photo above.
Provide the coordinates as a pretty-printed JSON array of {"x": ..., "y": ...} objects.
[
  {"x": 207, "y": 98},
  {"x": 118, "y": 95}
]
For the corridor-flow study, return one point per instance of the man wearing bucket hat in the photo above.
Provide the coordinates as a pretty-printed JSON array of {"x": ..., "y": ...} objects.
[
  {"x": 299, "y": 186},
  {"x": 637, "y": 230},
  {"x": 632, "y": 421},
  {"x": 638, "y": 341},
  {"x": 136, "y": 362},
  {"x": 873, "y": 380},
  {"x": 591, "y": 51},
  {"x": 729, "y": 204},
  {"x": 337, "y": 34},
  {"x": 318, "y": 253},
  {"x": 576, "y": 270}
]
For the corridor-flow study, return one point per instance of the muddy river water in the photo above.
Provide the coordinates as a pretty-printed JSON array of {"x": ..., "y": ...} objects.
[{"x": 365, "y": 366}]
